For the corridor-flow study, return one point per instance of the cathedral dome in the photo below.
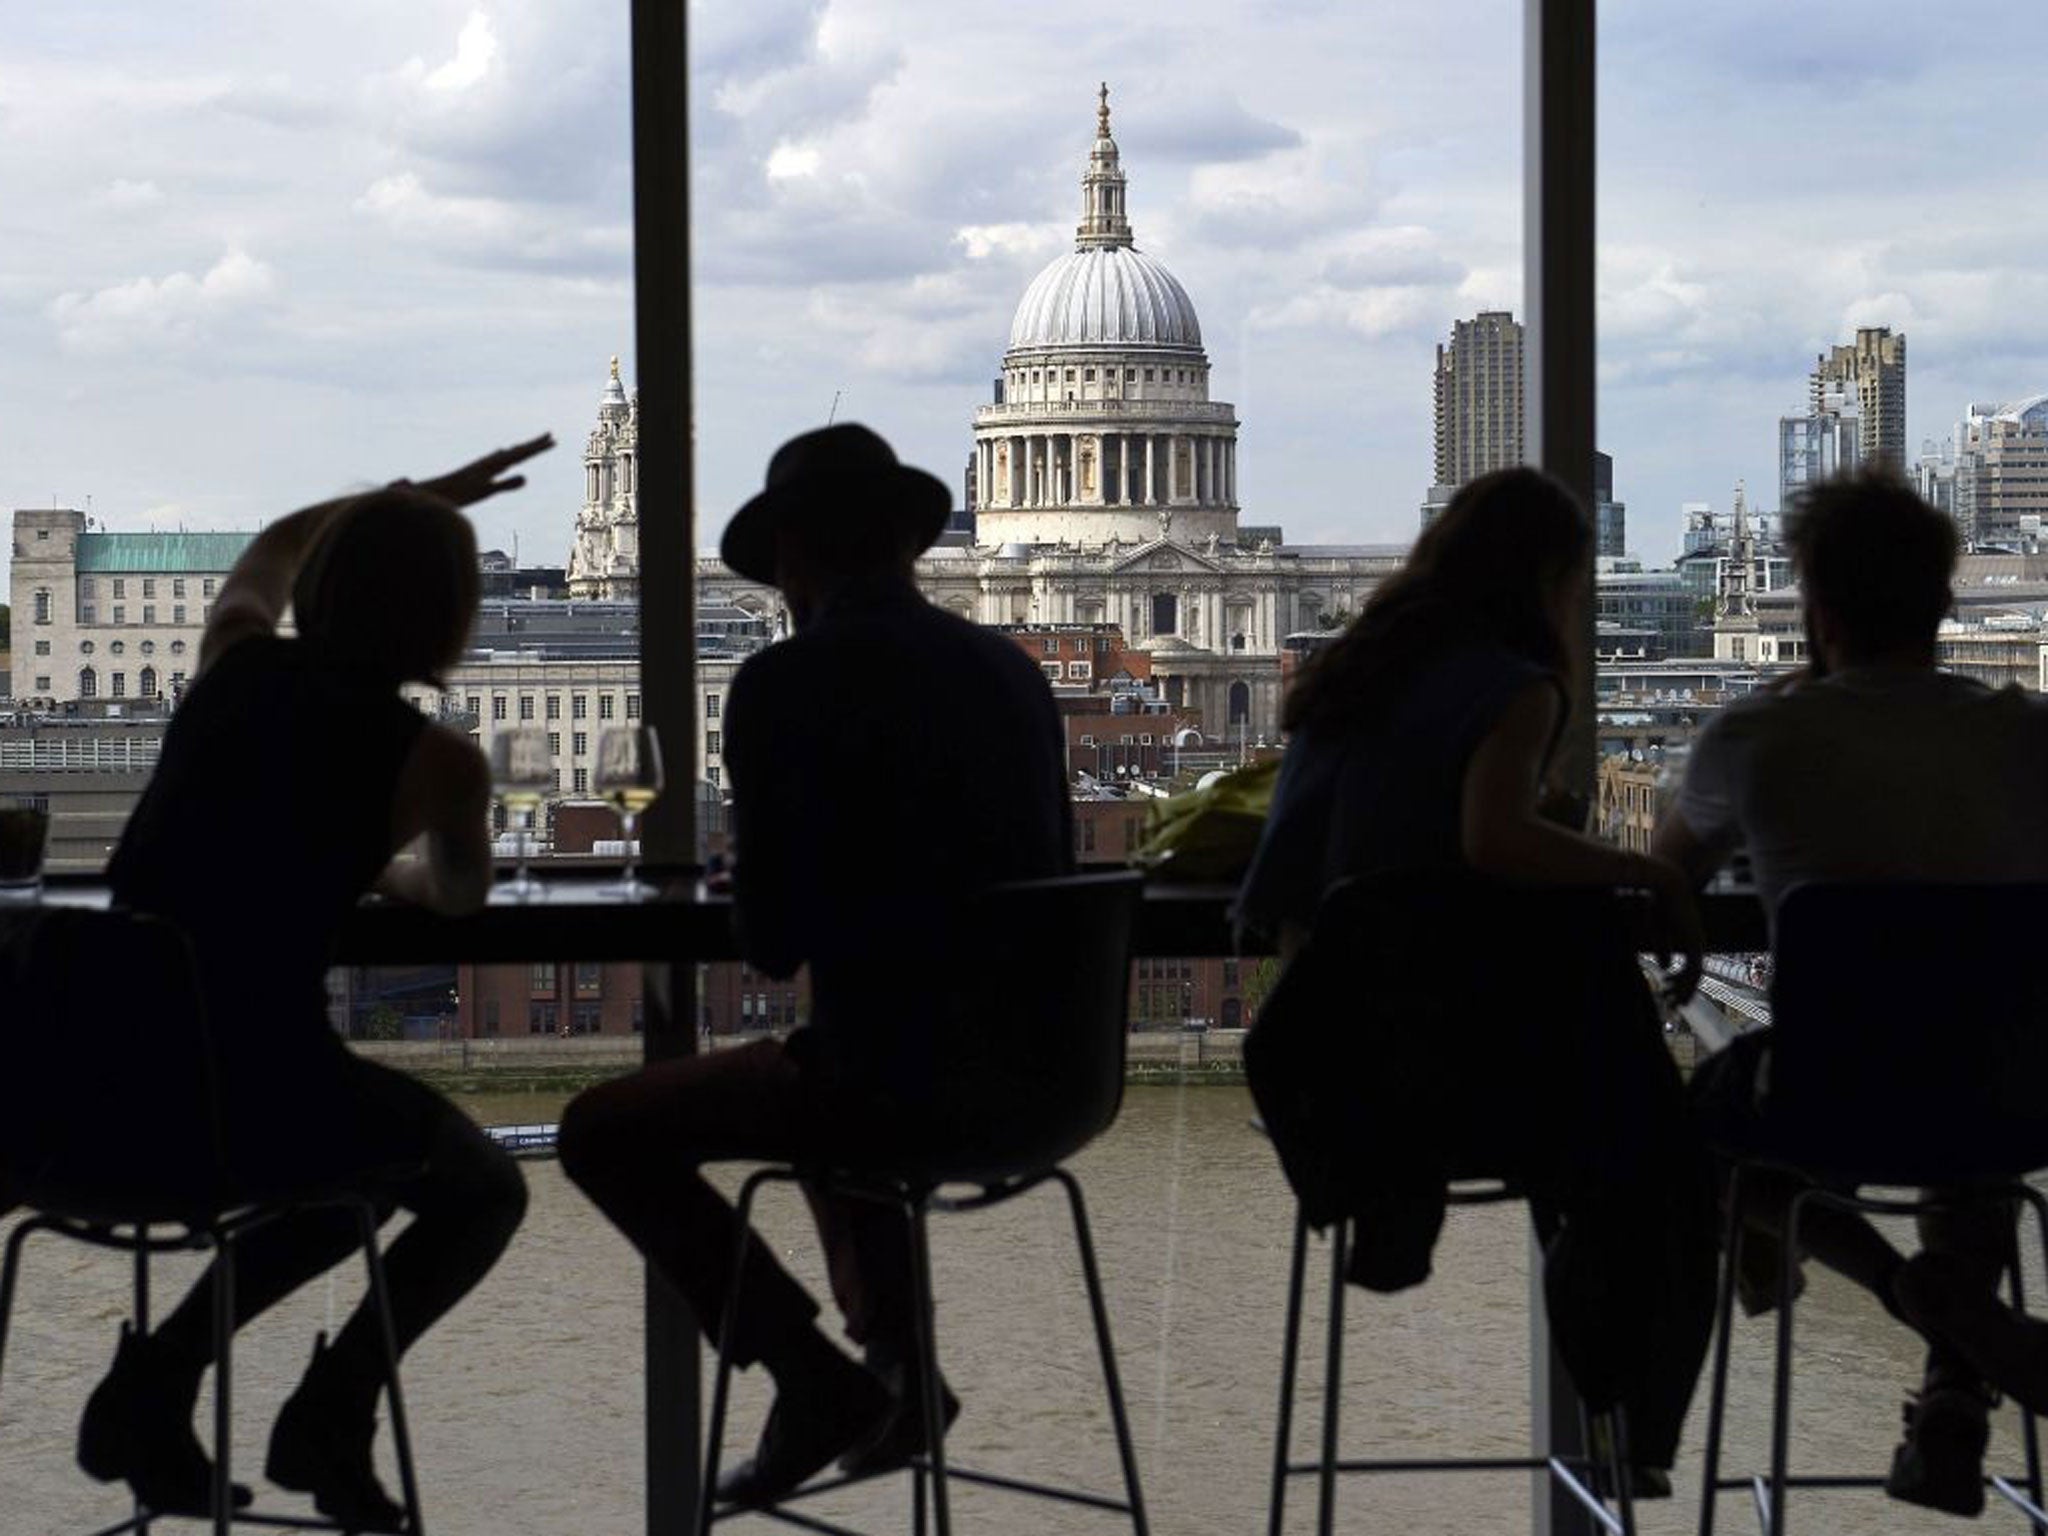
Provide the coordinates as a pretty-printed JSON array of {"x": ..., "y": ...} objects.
[
  {"x": 1105, "y": 292},
  {"x": 1105, "y": 295}
]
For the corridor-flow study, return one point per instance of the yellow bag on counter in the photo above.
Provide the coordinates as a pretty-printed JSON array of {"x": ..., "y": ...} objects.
[{"x": 1208, "y": 835}]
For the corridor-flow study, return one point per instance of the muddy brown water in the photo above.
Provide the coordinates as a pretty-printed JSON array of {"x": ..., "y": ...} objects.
[{"x": 527, "y": 1402}]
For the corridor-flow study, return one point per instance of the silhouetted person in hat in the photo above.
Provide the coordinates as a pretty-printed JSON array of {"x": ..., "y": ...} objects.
[
  {"x": 291, "y": 777},
  {"x": 885, "y": 761},
  {"x": 1873, "y": 764}
]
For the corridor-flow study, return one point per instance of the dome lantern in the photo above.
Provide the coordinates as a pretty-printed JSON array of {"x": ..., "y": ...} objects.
[
  {"x": 1103, "y": 220},
  {"x": 1105, "y": 292}
]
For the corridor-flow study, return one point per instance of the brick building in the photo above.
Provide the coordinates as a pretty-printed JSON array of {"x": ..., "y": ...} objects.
[{"x": 549, "y": 997}]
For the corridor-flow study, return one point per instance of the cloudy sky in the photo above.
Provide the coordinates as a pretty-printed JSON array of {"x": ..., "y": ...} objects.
[{"x": 257, "y": 253}]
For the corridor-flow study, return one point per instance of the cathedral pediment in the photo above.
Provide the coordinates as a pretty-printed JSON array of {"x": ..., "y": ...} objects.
[{"x": 1166, "y": 557}]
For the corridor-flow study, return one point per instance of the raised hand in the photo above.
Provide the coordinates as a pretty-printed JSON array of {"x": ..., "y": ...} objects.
[{"x": 485, "y": 477}]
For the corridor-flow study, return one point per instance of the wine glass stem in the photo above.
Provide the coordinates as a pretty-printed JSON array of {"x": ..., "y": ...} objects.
[{"x": 628, "y": 821}]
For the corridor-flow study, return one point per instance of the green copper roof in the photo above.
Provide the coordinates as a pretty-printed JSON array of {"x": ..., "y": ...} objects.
[{"x": 149, "y": 553}]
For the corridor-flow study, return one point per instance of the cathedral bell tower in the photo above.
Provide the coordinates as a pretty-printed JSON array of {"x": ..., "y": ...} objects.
[{"x": 604, "y": 562}]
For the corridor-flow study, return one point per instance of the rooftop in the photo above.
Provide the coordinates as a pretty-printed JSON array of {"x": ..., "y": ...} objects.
[{"x": 149, "y": 553}]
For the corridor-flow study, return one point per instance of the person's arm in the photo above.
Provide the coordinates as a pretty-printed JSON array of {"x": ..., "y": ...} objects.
[
  {"x": 440, "y": 819},
  {"x": 1502, "y": 827},
  {"x": 1676, "y": 843},
  {"x": 257, "y": 591},
  {"x": 1505, "y": 835},
  {"x": 1702, "y": 826}
]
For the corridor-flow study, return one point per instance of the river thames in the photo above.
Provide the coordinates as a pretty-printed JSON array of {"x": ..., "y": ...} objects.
[{"x": 527, "y": 1402}]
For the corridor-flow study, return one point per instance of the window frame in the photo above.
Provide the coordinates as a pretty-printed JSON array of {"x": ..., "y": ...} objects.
[{"x": 1558, "y": 197}]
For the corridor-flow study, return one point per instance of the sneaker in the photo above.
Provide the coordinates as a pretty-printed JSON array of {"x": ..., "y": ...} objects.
[{"x": 1940, "y": 1463}]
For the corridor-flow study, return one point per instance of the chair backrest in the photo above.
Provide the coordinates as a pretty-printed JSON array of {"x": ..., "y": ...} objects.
[
  {"x": 109, "y": 1105},
  {"x": 1406, "y": 1044},
  {"x": 1028, "y": 1057},
  {"x": 1910, "y": 1037}
]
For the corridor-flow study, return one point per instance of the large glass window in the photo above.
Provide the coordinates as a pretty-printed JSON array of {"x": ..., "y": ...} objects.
[
  {"x": 1760, "y": 330},
  {"x": 413, "y": 245},
  {"x": 412, "y": 241}
]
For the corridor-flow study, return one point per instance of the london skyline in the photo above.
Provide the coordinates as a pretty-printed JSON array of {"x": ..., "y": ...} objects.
[{"x": 255, "y": 264}]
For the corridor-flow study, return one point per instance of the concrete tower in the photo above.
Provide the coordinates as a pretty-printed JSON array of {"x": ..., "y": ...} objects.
[{"x": 1869, "y": 372}]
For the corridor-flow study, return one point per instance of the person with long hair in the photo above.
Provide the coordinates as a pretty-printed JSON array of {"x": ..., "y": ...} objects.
[
  {"x": 1424, "y": 734},
  {"x": 1420, "y": 754},
  {"x": 292, "y": 778}
]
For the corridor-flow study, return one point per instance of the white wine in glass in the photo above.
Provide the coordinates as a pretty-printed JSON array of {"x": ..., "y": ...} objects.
[
  {"x": 522, "y": 777},
  {"x": 628, "y": 776}
]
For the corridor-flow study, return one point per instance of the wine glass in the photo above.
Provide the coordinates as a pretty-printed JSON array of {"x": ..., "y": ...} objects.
[
  {"x": 522, "y": 775},
  {"x": 629, "y": 777}
]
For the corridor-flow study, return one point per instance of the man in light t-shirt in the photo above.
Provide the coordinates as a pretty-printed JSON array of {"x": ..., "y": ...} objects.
[{"x": 1874, "y": 765}]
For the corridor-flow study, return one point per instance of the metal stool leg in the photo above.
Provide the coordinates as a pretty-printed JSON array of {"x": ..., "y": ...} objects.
[
  {"x": 141, "y": 1324},
  {"x": 401, "y": 1434},
  {"x": 1620, "y": 1467},
  {"x": 223, "y": 1381},
  {"x": 1126, "y": 1452},
  {"x": 1290, "y": 1349},
  {"x": 1724, "y": 1327},
  {"x": 721, "y": 1386},
  {"x": 2030, "y": 1429},
  {"x": 928, "y": 1366},
  {"x": 10, "y": 1271},
  {"x": 1781, "y": 1383},
  {"x": 1333, "y": 1373}
]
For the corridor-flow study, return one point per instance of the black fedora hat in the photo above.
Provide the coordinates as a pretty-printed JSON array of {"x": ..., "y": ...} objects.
[{"x": 840, "y": 471}]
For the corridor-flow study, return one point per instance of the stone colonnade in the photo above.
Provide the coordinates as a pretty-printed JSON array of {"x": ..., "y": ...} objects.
[
  {"x": 1109, "y": 469},
  {"x": 1209, "y": 609}
]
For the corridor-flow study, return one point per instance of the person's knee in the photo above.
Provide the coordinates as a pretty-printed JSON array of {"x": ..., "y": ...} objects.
[
  {"x": 328, "y": 1233},
  {"x": 501, "y": 1195},
  {"x": 470, "y": 1182},
  {"x": 590, "y": 1138}
]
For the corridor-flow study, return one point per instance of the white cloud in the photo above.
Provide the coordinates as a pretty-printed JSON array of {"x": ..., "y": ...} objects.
[
  {"x": 980, "y": 242},
  {"x": 475, "y": 49},
  {"x": 1403, "y": 256},
  {"x": 404, "y": 203},
  {"x": 176, "y": 310},
  {"x": 794, "y": 162},
  {"x": 1893, "y": 309},
  {"x": 123, "y": 194},
  {"x": 1373, "y": 313},
  {"x": 446, "y": 185}
]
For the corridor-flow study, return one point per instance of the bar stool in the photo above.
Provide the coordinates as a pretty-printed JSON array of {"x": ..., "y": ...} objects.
[
  {"x": 1573, "y": 1474},
  {"x": 110, "y": 999},
  {"x": 1393, "y": 946},
  {"x": 1922, "y": 1072},
  {"x": 1011, "y": 1118},
  {"x": 1769, "y": 1490}
]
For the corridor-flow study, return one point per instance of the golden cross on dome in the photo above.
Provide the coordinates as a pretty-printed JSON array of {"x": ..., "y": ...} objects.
[{"x": 615, "y": 367}]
